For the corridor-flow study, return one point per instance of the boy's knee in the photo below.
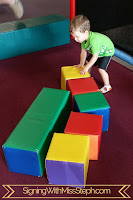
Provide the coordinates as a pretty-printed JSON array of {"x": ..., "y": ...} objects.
[{"x": 100, "y": 69}]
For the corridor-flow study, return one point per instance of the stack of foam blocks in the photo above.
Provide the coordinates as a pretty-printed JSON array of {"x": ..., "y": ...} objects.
[{"x": 69, "y": 153}]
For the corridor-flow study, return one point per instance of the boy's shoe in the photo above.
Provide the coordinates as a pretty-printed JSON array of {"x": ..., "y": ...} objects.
[
  {"x": 17, "y": 9},
  {"x": 106, "y": 88}
]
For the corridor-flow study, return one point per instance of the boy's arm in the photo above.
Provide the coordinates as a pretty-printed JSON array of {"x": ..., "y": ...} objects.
[
  {"x": 89, "y": 64},
  {"x": 82, "y": 58}
]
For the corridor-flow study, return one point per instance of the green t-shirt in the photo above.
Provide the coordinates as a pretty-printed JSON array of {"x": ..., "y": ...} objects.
[{"x": 98, "y": 43}]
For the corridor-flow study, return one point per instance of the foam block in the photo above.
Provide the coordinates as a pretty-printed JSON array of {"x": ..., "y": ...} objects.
[
  {"x": 93, "y": 103},
  {"x": 68, "y": 159},
  {"x": 86, "y": 124},
  {"x": 30, "y": 35},
  {"x": 70, "y": 72},
  {"x": 80, "y": 86},
  {"x": 27, "y": 146}
]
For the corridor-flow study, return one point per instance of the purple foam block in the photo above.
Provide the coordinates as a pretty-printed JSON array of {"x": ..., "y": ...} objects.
[{"x": 65, "y": 173}]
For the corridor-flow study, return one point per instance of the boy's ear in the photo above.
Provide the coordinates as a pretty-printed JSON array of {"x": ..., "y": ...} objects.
[{"x": 86, "y": 31}]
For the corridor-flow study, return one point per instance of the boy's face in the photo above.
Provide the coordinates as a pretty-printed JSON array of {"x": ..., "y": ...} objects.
[{"x": 80, "y": 37}]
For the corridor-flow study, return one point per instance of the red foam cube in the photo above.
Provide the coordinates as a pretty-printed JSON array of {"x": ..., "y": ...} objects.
[
  {"x": 80, "y": 86},
  {"x": 86, "y": 124}
]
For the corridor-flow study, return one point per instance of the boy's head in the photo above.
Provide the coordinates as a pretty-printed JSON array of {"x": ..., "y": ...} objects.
[{"x": 79, "y": 27}]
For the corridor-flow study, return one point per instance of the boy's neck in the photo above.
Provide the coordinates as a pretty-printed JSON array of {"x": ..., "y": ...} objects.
[{"x": 87, "y": 36}]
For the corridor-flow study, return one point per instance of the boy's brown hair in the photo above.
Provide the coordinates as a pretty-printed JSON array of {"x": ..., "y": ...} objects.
[{"x": 80, "y": 22}]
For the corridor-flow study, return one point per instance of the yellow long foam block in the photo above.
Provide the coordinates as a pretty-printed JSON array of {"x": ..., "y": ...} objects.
[
  {"x": 70, "y": 72},
  {"x": 70, "y": 148}
]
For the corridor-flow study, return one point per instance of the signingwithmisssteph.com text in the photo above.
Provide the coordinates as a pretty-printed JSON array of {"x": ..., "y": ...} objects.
[
  {"x": 67, "y": 190},
  {"x": 60, "y": 191}
]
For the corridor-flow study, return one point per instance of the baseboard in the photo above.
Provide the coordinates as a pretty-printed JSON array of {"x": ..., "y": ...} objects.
[{"x": 125, "y": 64}]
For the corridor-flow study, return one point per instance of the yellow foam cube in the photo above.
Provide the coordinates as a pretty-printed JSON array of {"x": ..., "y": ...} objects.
[
  {"x": 70, "y": 72},
  {"x": 67, "y": 159}
]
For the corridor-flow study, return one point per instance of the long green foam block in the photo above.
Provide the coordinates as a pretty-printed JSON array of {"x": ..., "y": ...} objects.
[
  {"x": 26, "y": 148},
  {"x": 30, "y": 35}
]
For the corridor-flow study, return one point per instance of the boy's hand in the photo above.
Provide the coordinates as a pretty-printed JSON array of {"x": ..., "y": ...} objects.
[
  {"x": 78, "y": 66},
  {"x": 84, "y": 70}
]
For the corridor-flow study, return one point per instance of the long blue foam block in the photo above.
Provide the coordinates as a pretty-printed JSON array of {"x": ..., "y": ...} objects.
[
  {"x": 30, "y": 35},
  {"x": 124, "y": 56}
]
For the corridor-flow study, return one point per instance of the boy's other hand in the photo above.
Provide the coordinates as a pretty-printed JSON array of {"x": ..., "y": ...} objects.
[
  {"x": 78, "y": 66},
  {"x": 84, "y": 71}
]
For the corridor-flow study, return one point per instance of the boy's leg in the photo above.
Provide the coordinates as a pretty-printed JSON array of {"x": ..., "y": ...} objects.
[
  {"x": 105, "y": 76},
  {"x": 103, "y": 64},
  {"x": 16, "y": 7}
]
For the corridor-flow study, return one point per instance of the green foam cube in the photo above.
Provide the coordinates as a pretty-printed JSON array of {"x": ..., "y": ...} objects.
[{"x": 93, "y": 103}]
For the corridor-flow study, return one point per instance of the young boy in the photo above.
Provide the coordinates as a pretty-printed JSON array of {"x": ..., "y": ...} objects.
[
  {"x": 16, "y": 7},
  {"x": 99, "y": 46}
]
